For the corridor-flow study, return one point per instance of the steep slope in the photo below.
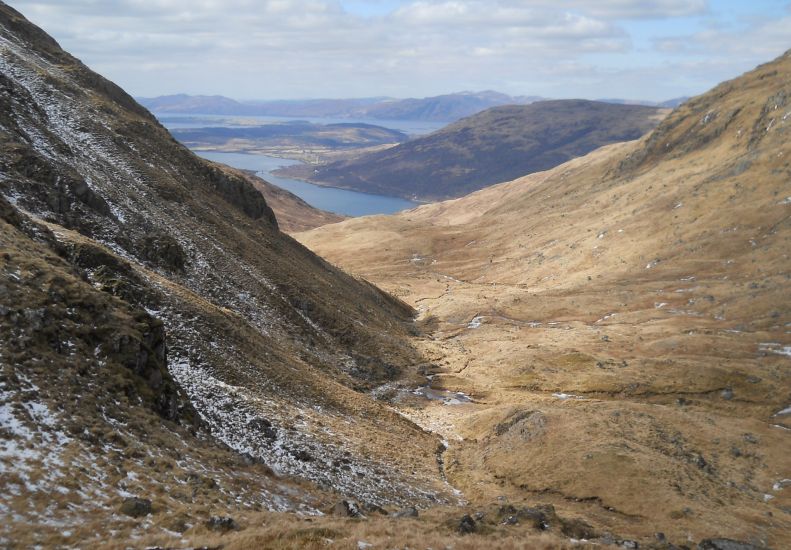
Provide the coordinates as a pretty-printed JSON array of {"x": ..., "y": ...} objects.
[
  {"x": 90, "y": 418},
  {"x": 496, "y": 145},
  {"x": 621, "y": 322},
  {"x": 292, "y": 213},
  {"x": 272, "y": 347}
]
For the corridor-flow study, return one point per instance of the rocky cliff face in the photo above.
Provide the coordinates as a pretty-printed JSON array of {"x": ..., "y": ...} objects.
[{"x": 148, "y": 296}]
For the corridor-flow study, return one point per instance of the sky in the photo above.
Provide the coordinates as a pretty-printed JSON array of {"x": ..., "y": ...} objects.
[{"x": 295, "y": 49}]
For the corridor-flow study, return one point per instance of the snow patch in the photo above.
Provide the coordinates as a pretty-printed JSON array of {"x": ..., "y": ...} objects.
[
  {"x": 564, "y": 396},
  {"x": 475, "y": 322},
  {"x": 775, "y": 347}
]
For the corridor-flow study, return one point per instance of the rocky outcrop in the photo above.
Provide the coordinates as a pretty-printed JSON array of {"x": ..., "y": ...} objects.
[
  {"x": 163, "y": 251},
  {"x": 239, "y": 192},
  {"x": 135, "y": 507}
]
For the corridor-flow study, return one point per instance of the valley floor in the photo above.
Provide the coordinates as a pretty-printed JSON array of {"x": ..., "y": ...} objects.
[{"x": 626, "y": 351}]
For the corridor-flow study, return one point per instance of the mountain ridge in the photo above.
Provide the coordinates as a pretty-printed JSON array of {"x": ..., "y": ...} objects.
[
  {"x": 492, "y": 146},
  {"x": 442, "y": 108}
]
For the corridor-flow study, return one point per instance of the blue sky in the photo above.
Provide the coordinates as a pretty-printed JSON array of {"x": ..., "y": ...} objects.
[{"x": 281, "y": 49}]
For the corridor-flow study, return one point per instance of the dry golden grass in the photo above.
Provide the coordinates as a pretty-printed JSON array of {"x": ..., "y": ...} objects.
[
  {"x": 435, "y": 529},
  {"x": 648, "y": 282}
]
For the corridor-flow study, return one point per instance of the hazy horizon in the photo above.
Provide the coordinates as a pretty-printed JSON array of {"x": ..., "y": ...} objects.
[
  {"x": 385, "y": 98},
  {"x": 644, "y": 50}
]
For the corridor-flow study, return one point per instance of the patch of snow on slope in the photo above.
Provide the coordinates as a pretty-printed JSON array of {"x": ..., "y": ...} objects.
[{"x": 255, "y": 427}]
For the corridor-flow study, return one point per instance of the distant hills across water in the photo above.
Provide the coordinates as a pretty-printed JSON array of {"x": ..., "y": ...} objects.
[{"x": 442, "y": 108}]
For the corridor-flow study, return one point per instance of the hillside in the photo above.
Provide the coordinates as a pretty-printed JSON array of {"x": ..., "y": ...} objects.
[
  {"x": 163, "y": 341},
  {"x": 620, "y": 322},
  {"x": 496, "y": 145}
]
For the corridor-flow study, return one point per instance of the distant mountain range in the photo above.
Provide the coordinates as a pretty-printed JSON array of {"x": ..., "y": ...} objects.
[
  {"x": 670, "y": 103},
  {"x": 441, "y": 108},
  {"x": 221, "y": 105},
  {"x": 496, "y": 145}
]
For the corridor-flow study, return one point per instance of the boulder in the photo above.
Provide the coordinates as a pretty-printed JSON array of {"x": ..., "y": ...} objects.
[
  {"x": 222, "y": 524},
  {"x": 347, "y": 509},
  {"x": 467, "y": 525},
  {"x": 135, "y": 507},
  {"x": 163, "y": 251}
]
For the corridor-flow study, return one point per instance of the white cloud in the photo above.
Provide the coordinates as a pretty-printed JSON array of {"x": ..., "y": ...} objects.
[
  {"x": 762, "y": 40},
  {"x": 318, "y": 48},
  {"x": 642, "y": 9}
]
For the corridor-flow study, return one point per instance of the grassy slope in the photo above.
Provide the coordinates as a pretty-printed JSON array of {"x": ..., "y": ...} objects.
[
  {"x": 493, "y": 146},
  {"x": 90, "y": 415},
  {"x": 650, "y": 280}
]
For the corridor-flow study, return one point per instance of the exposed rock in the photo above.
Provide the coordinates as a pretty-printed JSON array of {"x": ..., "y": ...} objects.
[
  {"x": 347, "y": 509},
  {"x": 727, "y": 544},
  {"x": 135, "y": 507},
  {"x": 222, "y": 524},
  {"x": 577, "y": 528},
  {"x": 408, "y": 512},
  {"x": 264, "y": 427},
  {"x": 163, "y": 251},
  {"x": 144, "y": 353},
  {"x": 541, "y": 517},
  {"x": 302, "y": 455},
  {"x": 241, "y": 193},
  {"x": 9, "y": 213},
  {"x": 522, "y": 425},
  {"x": 467, "y": 525}
]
